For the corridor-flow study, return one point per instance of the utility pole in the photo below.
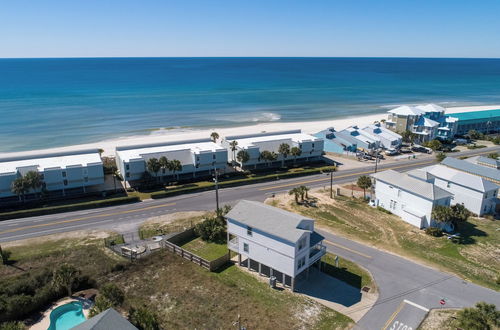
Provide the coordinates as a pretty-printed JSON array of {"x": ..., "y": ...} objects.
[
  {"x": 216, "y": 180},
  {"x": 331, "y": 183},
  {"x": 376, "y": 160}
]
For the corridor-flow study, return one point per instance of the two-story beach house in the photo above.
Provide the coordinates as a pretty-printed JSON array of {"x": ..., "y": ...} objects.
[
  {"x": 311, "y": 148},
  {"x": 63, "y": 173},
  {"x": 274, "y": 240},
  {"x": 197, "y": 157},
  {"x": 478, "y": 195},
  {"x": 410, "y": 198},
  {"x": 476, "y": 168}
]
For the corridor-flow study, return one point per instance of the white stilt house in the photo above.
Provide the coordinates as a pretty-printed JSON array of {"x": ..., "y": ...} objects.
[{"x": 273, "y": 241}]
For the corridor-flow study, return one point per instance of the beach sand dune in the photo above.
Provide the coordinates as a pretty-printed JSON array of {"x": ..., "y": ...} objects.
[{"x": 188, "y": 134}]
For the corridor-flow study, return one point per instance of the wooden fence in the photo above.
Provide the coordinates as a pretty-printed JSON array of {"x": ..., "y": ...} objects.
[{"x": 170, "y": 245}]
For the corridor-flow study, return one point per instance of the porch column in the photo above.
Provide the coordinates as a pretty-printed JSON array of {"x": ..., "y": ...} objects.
[
  {"x": 270, "y": 272},
  {"x": 260, "y": 269},
  {"x": 284, "y": 280},
  {"x": 248, "y": 263},
  {"x": 239, "y": 259},
  {"x": 293, "y": 284}
]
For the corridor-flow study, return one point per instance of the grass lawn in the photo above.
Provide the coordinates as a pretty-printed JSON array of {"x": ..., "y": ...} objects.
[
  {"x": 181, "y": 294},
  {"x": 348, "y": 272},
  {"x": 207, "y": 250},
  {"x": 477, "y": 259}
]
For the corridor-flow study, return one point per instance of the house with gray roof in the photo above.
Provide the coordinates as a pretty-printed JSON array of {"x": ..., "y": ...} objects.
[
  {"x": 477, "y": 194},
  {"x": 273, "y": 241},
  {"x": 488, "y": 173},
  {"x": 410, "y": 198},
  {"x": 484, "y": 161},
  {"x": 107, "y": 320}
]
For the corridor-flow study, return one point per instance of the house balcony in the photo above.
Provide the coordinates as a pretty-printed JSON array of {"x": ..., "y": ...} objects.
[
  {"x": 233, "y": 244},
  {"x": 316, "y": 252}
]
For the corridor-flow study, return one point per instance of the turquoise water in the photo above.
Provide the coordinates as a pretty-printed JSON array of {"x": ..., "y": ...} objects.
[
  {"x": 66, "y": 316},
  {"x": 55, "y": 102}
]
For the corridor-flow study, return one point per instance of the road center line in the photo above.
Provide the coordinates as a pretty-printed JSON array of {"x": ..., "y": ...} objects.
[
  {"x": 348, "y": 249},
  {"x": 84, "y": 218}
]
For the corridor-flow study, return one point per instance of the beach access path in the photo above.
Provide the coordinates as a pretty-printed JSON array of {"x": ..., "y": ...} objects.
[{"x": 405, "y": 287}]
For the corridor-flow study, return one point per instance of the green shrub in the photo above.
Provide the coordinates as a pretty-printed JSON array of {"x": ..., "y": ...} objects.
[
  {"x": 440, "y": 156},
  {"x": 475, "y": 146},
  {"x": 144, "y": 319},
  {"x": 433, "y": 231},
  {"x": 12, "y": 326},
  {"x": 211, "y": 230}
]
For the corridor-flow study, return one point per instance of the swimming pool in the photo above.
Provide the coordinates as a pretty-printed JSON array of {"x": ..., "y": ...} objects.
[{"x": 66, "y": 316}]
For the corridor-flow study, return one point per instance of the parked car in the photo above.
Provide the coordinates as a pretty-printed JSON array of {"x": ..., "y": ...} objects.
[
  {"x": 391, "y": 152},
  {"x": 405, "y": 150},
  {"x": 419, "y": 148}
]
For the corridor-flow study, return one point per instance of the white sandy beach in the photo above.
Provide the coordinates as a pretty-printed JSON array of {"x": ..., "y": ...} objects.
[{"x": 188, "y": 134}]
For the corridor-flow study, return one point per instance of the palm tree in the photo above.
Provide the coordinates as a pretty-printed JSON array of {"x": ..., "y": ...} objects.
[
  {"x": 64, "y": 277},
  {"x": 442, "y": 214},
  {"x": 243, "y": 157},
  {"x": 175, "y": 166},
  {"x": 364, "y": 182},
  {"x": 33, "y": 180},
  {"x": 164, "y": 165},
  {"x": 304, "y": 192},
  {"x": 153, "y": 166},
  {"x": 20, "y": 187},
  {"x": 296, "y": 193},
  {"x": 233, "y": 145},
  {"x": 284, "y": 150},
  {"x": 408, "y": 136},
  {"x": 295, "y": 152},
  {"x": 267, "y": 156},
  {"x": 214, "y": 136},
  {"x": 100, "y": 151}
]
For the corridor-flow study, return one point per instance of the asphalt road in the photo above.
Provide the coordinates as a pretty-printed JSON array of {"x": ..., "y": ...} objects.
[{"x": 397, "y": 279}]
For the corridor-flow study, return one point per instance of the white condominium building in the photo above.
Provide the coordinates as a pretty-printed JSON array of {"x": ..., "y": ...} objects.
[
  {"x": 71, "y": 171},
  {"x": 197, "y": 158},
  {"x": 311, "y": 147}
]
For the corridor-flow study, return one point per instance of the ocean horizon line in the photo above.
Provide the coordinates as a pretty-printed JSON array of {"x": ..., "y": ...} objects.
[{"x": 251, "y": 57}]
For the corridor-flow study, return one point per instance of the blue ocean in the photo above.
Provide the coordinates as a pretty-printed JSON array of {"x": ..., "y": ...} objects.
[{"x": 55, "y": 102}]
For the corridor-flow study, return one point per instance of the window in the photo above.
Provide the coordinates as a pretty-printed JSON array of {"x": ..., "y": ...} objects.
[
  {"x": 128, "y": 175},
  {"x": 197, "y": 158},
  {"x": 249, "y": 231},
  {"x": 64, "y": 174},
  {"x": 313, "y": 145},
  {"x": 447, "y": 185},
  {"x": 86, "y": 179},
  {"x": 301, "y": 263},
  {"x": 245, "y": 247},
  {"x": 302, "y": 243},
  {"x": 127, "y": 167},
  {"x": 213, "y": 156},
  {"x": 65, "y": 182}
]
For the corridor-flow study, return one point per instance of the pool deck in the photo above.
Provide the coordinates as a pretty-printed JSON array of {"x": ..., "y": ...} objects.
[{"x": 44, "y": 322}]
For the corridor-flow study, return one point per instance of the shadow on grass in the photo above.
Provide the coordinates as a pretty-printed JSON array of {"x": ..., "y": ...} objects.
[{"x": 468, "y": 231}]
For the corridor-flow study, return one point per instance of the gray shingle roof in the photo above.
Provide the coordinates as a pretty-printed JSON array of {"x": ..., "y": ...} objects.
[
  {"x": 268, "y": 219},
  {"x": 411, "y": 184},
  {"x": 107, "y": 320},
  {"x": 488, "y": 173},
  {"x": 467, "y": 180}
]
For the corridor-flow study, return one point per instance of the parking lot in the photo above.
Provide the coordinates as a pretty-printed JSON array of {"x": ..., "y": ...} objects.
[{"x": 407, "y": 316}]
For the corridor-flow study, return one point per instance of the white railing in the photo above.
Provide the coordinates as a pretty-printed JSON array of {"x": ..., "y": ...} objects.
[
  {"x": 233, "y": 244},
  {"x": 316, "y": 253}
]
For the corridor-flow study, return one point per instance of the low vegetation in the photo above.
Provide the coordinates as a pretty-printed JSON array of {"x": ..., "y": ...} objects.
[
  {"x": 476, "y": 258},
  {"x": 348, "y": 272},
  {"x": 162, "y": 291},
  {"x": 482, "y": 316}
]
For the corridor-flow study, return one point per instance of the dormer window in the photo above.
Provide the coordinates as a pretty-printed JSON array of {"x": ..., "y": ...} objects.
[
  {"x": 64, "y": 174},
  {"x": 249, "y": 231}
]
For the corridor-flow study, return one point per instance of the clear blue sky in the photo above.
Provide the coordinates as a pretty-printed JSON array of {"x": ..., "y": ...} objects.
[{"x": 92, "y": 28}]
